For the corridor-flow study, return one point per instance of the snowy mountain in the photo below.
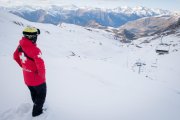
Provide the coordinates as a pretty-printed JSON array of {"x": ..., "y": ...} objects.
[
  {"x": 90, "y": 75},
  {"x": 84, "y": 15},
  {"x": 147, "y": 26}
]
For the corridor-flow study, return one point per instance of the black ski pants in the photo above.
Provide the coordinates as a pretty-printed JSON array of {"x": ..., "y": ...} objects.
[{"x": 38, "y": 95}]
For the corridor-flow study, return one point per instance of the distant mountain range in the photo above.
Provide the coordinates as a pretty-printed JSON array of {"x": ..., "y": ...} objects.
[
  {"x": 124, "y": 22},
  {"x": 85, "y": 16}
]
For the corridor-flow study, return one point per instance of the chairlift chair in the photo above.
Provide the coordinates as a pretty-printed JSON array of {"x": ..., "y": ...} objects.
[{"x": 162, "y": 48}]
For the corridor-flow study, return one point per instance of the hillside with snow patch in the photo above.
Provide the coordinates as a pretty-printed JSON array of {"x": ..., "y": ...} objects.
[
  {"x": 91, "y": 76},
  {"x": 150, "y": 25}
]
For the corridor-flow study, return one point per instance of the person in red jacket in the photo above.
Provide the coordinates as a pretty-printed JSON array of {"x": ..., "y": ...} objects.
[{"x": 29, "y": 58}]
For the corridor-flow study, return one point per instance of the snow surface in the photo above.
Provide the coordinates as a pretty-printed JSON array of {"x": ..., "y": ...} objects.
[{"x": 91, "y": 76}]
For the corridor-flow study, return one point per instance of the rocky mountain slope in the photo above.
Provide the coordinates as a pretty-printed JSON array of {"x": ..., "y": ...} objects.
[{"x": 147, "y": 26}]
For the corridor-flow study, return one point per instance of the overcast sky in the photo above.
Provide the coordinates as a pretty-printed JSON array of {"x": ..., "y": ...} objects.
[{"x": 163, "y": 4}]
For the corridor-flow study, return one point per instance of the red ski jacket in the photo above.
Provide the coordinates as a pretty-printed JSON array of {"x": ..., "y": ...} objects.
[{"x": 31, "y": 62}]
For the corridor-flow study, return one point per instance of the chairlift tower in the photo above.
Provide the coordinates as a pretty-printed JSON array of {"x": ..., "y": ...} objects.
[{"x": 140, "y": 65}]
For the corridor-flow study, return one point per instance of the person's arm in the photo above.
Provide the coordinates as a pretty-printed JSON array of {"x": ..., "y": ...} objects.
[
  {"x": 39, "y": 63},
  {"x": 16, "y": 57}
]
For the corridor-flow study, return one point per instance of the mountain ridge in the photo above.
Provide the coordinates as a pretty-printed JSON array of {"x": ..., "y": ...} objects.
[
  {"x": 82, "y": 15},
  {"x": 151, "y": 25}
]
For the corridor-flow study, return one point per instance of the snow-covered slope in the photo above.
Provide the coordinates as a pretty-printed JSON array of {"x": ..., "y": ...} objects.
[{"x": 90, "y": 76}]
